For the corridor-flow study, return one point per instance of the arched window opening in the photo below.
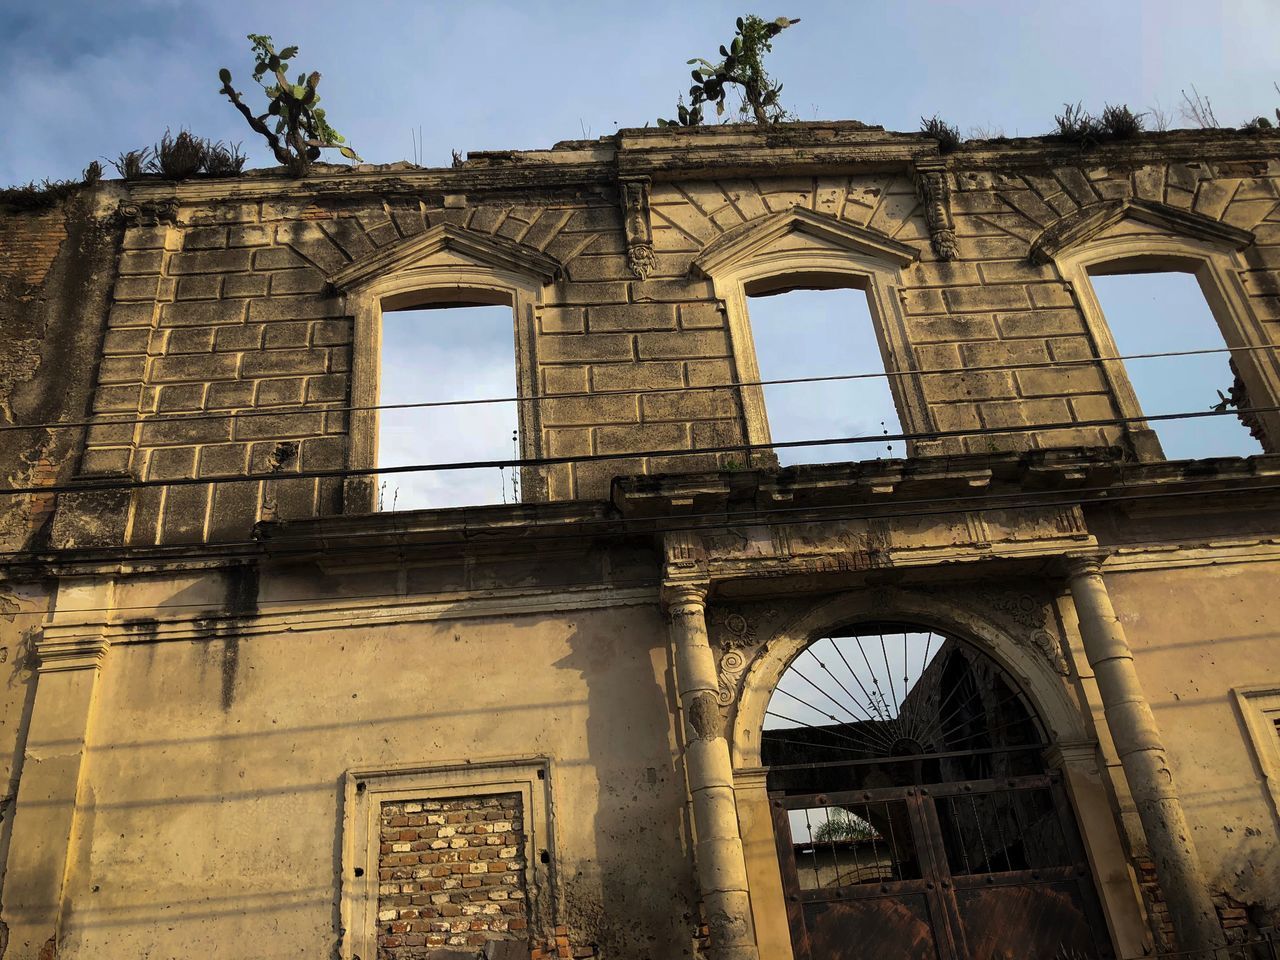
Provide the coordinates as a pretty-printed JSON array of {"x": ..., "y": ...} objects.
[
  {"x": 447, "y": 345},
  {"x": 912, "y": 805},
  {"x": 1166, "y": 312},
  {"x": 801, "y": 333},
  {"x": 808, "y": 294},
  {"x": 411, "y": 345}
]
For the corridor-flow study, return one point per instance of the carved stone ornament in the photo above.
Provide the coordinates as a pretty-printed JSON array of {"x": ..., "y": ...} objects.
[
  {"x": 935, "y": 194},
  {"x": 148, "y": 213},
  {"x": 1043, "y": 641},
  {"x": 635, "y": 222},
  {"x": 731, "y": 666},
  {"x": 1020, "y": 607},
  {"x": 684, "y": 555},
  {"x": 1027, "y": 611},
  {"x": 736, "y": 630},
  {"x": 1238, "y": 398}
]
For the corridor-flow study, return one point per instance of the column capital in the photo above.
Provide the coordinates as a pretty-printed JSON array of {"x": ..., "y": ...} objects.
[
  {"x": 1077, "y": 754},
  {"x": 1083, "y": 564},
  {"x": 677, "y": 594},
  {"x": 60, "y": 654}
]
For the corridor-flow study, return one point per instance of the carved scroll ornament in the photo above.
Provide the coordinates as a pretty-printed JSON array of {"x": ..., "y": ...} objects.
[
  {"x": 736, "y": 631},
  {"x": 935, "y": 194},
  {"x": 147, "y": 214},
  {"x": 1028, "y": 612},
  {"x": 639, "y": 231}
]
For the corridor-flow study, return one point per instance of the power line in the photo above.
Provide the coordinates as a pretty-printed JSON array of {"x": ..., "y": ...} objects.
[
  {"x": 108, "y": 419},
  {"x": 734, "y": 520},
  {"x": 714, "y": 517},
  {"x": 345, "y": 472}
]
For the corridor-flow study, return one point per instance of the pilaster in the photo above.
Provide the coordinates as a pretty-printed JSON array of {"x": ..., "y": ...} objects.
[
  {"x": 1117, "y": 886},
  {"x": 70, "y": 657}
]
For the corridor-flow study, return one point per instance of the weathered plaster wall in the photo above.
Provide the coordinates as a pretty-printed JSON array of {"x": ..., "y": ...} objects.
[
  {"x": 22, "y": 610},
  {"x": 1197, "y": 633},
  {"x": 214, "y": 813}
]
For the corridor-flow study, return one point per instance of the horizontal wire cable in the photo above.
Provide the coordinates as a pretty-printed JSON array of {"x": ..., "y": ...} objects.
[
  {"x": 345, "y": 472},
  {"x": 716, "y": 518},
  {"x": 602, "y": 581},
  {"x": 736, "y": 517},
  {"x": 106, "y": 419}
]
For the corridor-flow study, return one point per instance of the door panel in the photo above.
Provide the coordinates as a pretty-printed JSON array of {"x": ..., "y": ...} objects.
[
  {"x": 981, "y": 870},
  {"x": 1037, "y": 921},
  {"x": 899, "y": 926}
]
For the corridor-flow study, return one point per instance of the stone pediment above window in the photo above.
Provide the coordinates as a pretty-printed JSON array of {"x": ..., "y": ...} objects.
[
  {"x": 1094, "y": 222},
  {"x": 447, "y": 245},
  {"x": 800, "y": 230}
]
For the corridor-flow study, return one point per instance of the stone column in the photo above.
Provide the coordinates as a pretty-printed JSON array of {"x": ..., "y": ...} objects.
[
  {"x": 1142, "y": 754},
  {"x": 722, "y": 871}
]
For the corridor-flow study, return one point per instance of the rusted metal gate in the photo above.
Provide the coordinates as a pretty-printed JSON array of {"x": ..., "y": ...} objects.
[{"x": 977, "y": 869}]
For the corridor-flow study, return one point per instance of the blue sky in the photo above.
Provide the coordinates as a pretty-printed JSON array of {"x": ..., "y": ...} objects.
[
  {"x": 81, "y": 80},
  {"x": 85, "y": 80}
]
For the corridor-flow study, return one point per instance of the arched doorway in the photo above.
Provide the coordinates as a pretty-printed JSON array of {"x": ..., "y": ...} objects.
[{"x": 913, "y": 811}]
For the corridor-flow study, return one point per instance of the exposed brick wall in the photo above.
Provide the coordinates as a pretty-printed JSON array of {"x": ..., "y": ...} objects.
[
  {"x": 450, "y": 873},
  {"x": 562, "y": 947},
  {"x": 1233, "y": 915},
  {"x": 1157, "y": 909},
  {"x": 56, "y": 270},
  {"x": 28, "y": 245}
]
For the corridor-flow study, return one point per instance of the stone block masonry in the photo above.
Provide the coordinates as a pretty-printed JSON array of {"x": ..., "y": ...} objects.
[
  {"x": 226, "y": 307},
  {"x": 451, "y": 873}
]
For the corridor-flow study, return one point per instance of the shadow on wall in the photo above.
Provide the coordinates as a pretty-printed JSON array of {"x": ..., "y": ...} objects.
[{"x": 635, "y": 897}]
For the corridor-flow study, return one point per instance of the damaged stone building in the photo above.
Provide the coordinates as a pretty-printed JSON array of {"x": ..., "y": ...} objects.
[{"x": 1015, "y": 693}]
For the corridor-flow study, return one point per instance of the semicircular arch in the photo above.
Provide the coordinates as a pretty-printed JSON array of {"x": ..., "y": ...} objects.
[{"x": 1036, "y": 677}]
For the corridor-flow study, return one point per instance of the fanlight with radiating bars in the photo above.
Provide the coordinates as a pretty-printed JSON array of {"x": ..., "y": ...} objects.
[{"x": 917, "y": 704}]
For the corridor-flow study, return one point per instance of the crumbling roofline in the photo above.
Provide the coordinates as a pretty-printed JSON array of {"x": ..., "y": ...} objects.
[{"x": 730, "y": 150}]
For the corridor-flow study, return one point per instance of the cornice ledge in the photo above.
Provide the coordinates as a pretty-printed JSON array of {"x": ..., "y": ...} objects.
[
  {"x": 743, "y": 242},
  {"x": 1085, "y": 224},
  {"x": 484, "y": 248},
  {"x": 380, "y": 183}
]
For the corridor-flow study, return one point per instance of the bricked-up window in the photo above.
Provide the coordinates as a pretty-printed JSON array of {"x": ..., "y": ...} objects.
[
  {"x": 447, "y": 352},
  {"x": 447, "y": 858},
  {"x": 817, "y": 333},
  {"x": 451, "y": 873},
  {"x": 1167, "y": 312}
]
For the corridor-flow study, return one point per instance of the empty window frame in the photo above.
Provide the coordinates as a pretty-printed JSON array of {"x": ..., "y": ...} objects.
[
  {"x": 1166, "y": 312},
  {"x": 803, "y": 334},
  {"x": 1259, "y": 709},
  {"x": 447, "y": 351}
]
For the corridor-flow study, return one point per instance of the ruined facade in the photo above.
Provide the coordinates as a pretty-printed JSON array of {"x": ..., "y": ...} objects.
[{"x": 246, "y": 714}]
